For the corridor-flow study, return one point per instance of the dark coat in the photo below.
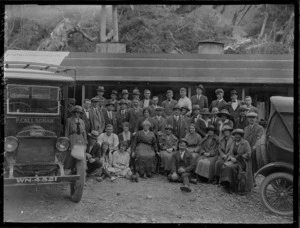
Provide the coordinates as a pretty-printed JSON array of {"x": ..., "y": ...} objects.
[
  {"x": 214, "y": 122},
  {"x": 254, "y": 134},
  {"x": 122, "y": 139},
  {"x": 201, "y": 127},
  {"x": 186, "y": 163},
  {"x": 235, "y": 113},
  {"x": 86, "y": 121},
  {"x": 253, "y": 109},
  {"x": 165, "y": 143},
  {"x": 121, "y": 119},
  {"x": 180, "y": 128},
  {"x": 112, "y": 121},
  {"x": 203, "y": 102},
  {"x": 168, "y": 106},
  {"x": 159, "y": 125},
  {"x": 152, "y": 110},
  {"x": 95, "y": 151},
  {"x": 133, "y": 117},
  {"x": 220, "y": 105},
  {"x": 239, "y": 123},
  {"x": 116, "y": 105},
  {"x": 97, "y": 120}
]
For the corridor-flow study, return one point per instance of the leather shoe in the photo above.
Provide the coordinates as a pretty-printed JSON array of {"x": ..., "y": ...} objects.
[{"x": 185, "y": 188}]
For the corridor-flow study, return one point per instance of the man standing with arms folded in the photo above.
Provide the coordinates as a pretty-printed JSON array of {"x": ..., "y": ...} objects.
[
  {"x": 199, "y": 98},
  {"x": 168, "y": 104},
  {"x": 185, "y": 101}
]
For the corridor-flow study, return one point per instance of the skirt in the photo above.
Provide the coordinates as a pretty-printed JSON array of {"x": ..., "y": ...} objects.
[
  {"x": 123, "y": 172},
  {"x": 145, "y": 161},
  {"x": 206, "y": 167},
  {"x": 218, "y": 166},
  {"x": 229, "y": 174},
  {"x": 166, "y": 160}
]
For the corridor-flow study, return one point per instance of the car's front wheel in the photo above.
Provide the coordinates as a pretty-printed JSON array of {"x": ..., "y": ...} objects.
[{"x": 77, "y": 186}]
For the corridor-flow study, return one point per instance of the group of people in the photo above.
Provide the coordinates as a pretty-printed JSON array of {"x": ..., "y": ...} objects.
[{"x": 187, "y": 140}]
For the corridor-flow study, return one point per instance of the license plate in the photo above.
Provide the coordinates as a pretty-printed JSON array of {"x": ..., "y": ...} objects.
[{"x": 36, "y": 179}]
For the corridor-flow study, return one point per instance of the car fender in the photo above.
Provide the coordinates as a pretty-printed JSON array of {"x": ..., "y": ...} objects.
[{"x": 275, "y": 167}]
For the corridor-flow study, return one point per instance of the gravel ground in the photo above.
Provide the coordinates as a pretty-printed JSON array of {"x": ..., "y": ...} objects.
[{"x": 153, "y": 200}]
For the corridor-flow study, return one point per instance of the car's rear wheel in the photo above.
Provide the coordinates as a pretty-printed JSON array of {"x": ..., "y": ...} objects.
[
  {"x": 276, "y": 193},
  {"x": 77, "y": 186}
]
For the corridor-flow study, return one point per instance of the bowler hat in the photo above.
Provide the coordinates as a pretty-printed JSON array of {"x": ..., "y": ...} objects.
[
  {"x": 227, "y": 128},
  {"x": 176, "y": 107},
  {"x": 169, "y": 126},
  {"x": 199, "y": 86},
  {"x": 219, "y": 91},
  {"x": 211, "y": 127},
  {"x": 95, "y": 99},
  {"x": 251, "y": 114},
  {"x": 122, "y": 101},
  {"x": 159, "y": 108},
  {"x": 183, "y": 140},
  {"x": 125, "y": 91},
  {"x": 109, "y": 103},
  {"x": 224, "y": 112},
  {"x": 114, "y": 92},
  {"x": 243, "y": 108},
  {"x": 100, "y": 89},
  {"x": 233, "y": 92},
  {"x": 238, "y": 131},
  {"x": 135, "y": 92},
  {"x": 94, "y": 134},
  {"x": 185, "y": 107},
  {"x": 196, "y": 107},
  {"x": 205, "y": 111},
  {"x": 77, "y": 108}
]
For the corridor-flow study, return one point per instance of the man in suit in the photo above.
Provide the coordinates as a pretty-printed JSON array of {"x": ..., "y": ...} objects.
[
  {"x": 96, "y": 116},
  {"x": 180, "y": 126},
  {"x": 113, "y": 99},
  {"x": 136, "y": 95},
  {"x": 146, "y": 102},
  {"x": 93, "y": 154},
  {"x": 100, "y": 92},
  {"x": 181, "y": 166},
  {"x": 110, "y": 117},
  {"x": 203, "y": 122},
  {"x": 86, "y": 115},
  {"x": 234, "y": 105},
  {"x": 134, "y": 114},
  {"x": 153, "y": 106},
  {"x": 71, "y": 104},
  {"x": 220, "y": 103},
  {"x": 159, "y": 121},
  {"x": 199, "y": 98},
  {"x": 125, "y": 95},
  {"x": 241, "y": 122},
  {"x": 214, "y": 120},
  {"x": 184, "y": 101},
  {"x": 184, "y": 110},
  {"x": 101, "y": 105},
  {"x": 251, "y": 108},
  {"x": 168, "y": 104},
  {"x": 122, "y": 115}
]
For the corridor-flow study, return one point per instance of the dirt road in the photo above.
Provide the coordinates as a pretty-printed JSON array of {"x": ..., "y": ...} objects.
[{"x": 153, "y": 200}]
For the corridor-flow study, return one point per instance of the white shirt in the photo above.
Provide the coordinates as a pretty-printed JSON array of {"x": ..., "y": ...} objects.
[
  {"x": 146, "y": 102},
  {"x": 126, "y": 137},
  {"x": 182, "y": 154},
  {"x": 199, "y": 96},
  {"x": 234, "y": 104},
  {"x": 87, "y": 113},
  {"x": 113, "y": 140},
  {"x": 185, "y": 101},
  {"x": 158, "y": 117},
  {"x": 109, "y": 113},
  {"x": 176, "y": 118}
]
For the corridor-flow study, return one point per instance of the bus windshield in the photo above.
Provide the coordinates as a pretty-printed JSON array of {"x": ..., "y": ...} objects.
[{"x": 32, "y": 99}]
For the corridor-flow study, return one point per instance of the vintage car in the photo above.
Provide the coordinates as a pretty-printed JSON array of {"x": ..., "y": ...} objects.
[
  {"x": 277, "y": 157},
  {"x": 35, "y": 111}
]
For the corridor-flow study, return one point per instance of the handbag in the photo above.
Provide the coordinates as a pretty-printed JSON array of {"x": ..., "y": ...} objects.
[
  {"x": 228, "y": 163},
  {"x": 78, "y": 152}
]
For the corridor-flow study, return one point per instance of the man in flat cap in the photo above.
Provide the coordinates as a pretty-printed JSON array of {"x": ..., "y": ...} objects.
[
  {"x": 168, "y": 104},
  {"x": 100, "y": 92},
  {"x": 220, "y": 103},
  {"x": 147, "y": 101},
  {"x": 251, "y": 108},
  {"x": 96, "y": 116},
  {"x": 199, "y": 98},
  {"x": 153, "y": 105},
  {"x": 185, "y": 101},
  {"x": 234, "y": 104},
  {"x": 125, "y": 97},
  {"x": 253, "y": 133}
]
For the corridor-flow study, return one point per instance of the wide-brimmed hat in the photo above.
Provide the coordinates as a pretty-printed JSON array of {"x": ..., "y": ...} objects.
[
  {"x": 159, "y": 108},
  {"x": 176, "y": 107},
  {"x": 238, "y": 131},
  {"x": 109, "y": 103},
  {"x": 205, "y": 111},
  {"x": 196, "y": 107},
  {"x": 252, "y": 114},
  {"x": 122, "y": 101},
  {"x": 114, "y": 92},
  {"x": 227, "y": 128},
  {"x": 219, "y": 91},
  {"x": 95, "y": 99},
  {"x": 125, "y": 91},
  {"x": 94, "y": 134},
  {"x": 199, "y": 86},
  {"x": 72, "y": 101},
  {"x": 233, "y": 92},
  {"x": 211, "y": 127},
  {"x": 169, "y": 126},
  {"x": 77, "y": 108},
  {"x": 100, "y": 89},
  {"x": 183, "y": 140},
  {"x": 135, "y": 92},
  {"x": 224, "y": 112},
  {"x": 243, "y": 108}
]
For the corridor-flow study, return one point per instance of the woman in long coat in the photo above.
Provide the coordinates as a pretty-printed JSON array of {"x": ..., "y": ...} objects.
[
  {"x": 144, "y": 148},
  {"x": 208, "y": 154},
  {"x": 237, "y": 168},
  {"x": 194, "y": 140}
]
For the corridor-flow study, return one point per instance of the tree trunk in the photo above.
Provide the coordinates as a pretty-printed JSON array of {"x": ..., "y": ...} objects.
[
  {"x": 103, "y": 24},
  {"x": 115, "y": 23},
  {"x": 264, "y": 25}
]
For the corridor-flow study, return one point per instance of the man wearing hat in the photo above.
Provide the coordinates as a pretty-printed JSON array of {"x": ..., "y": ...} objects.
[
  {"x": 251, "y": 108},
  {"x": 113, "y": 100},
  {"x": 234, "y": 104},
  {"x": 182, "y": 165},
  {"x": 93, "y": 154},
  {"x": 203, "y": 122},
  {"x": 110, "y": 117},
  {"x": 242, "y": 121},
  {"x": 196, "y": 114},
  {"x": 180, "y": 127},
  {"x": 220, "y": 103},
  {"x": 100, "y": 92},
  {"x": 168, "y": 104},
  {"x": 122, "y": 115},
  {"x": 134, "y": 114},
  {"x": 125, "y": 95},
  {"x": 184, "y": 100},
  {"x": 146, "y": 102},
  {"x": 136, "y": 95},
  {"x": 214, "y": 119},
  {"x": 199, "y": 98},
  {"x": 253, "y": 133},
  {"x": 96, "y": 116},
  {"x": 184, "y": 110},
  {"x": 159, "y": 121},
  {"x": 167, "y": 145},
  {"x": 153, "y": 105}
]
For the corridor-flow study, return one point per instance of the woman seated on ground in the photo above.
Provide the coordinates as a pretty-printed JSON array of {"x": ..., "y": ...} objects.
[
  {"x": 194, "y": 140},
  {"x": 93, "y": 154},
  {"x": 109, "y": 137},
  {"x": 167, "y": 144},
  {"x": 208, "y": 155},
  {"x": 144, "y": 148},
  {"x": 121, "y": 162},
  {"x": 106, "y": 160},
  {"x": 126, "y": 136},
  {"x": 236, "y": 174}
]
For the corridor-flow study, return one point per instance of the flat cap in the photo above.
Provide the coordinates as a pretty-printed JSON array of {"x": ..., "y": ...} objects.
[{"x": 219, "y": 91}]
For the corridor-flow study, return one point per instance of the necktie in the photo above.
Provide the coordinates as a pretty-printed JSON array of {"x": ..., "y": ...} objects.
[
  {"x": 225, "y": 143},
  {"x": 181, "y": 155},
  {"x": 110, "y": 115}
]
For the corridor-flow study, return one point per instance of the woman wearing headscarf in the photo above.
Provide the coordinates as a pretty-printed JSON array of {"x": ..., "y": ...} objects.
[
  {"x": 208, "y": 154},
  {"x": 144, "y": 148}
]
